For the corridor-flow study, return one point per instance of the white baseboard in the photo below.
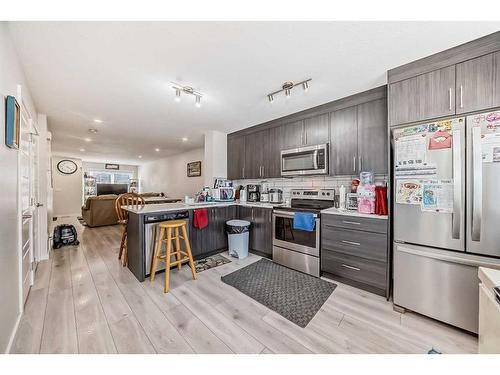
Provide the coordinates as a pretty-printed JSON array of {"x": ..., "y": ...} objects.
[{"x": 13, "y": 334}]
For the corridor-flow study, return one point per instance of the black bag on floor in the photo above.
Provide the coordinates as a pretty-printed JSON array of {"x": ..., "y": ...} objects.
[{"x": 64, "y": 234}]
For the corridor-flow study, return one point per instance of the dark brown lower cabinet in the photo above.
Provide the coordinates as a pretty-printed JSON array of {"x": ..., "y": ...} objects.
[
  {"x": 354, "y": 251},
  {"x": 261, "y": 229},
  {"x": 212, "y": 238}
]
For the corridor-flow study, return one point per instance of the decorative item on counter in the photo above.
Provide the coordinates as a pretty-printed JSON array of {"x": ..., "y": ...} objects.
[
  {"x": 354, "y": 185},
  {"x": 381, "y": 200},
  {"x": 366, "y": 193},
  {"x": 352, "y": 201},
  {"x": 342, "y": 196}
]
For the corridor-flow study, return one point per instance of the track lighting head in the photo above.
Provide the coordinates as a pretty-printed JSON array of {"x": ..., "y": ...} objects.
[
  {"x": 287, "y": 88},
  {"x": 186, "y": 90}
]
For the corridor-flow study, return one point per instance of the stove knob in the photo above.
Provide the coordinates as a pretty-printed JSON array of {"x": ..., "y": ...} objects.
[
  {"x": 323, "y": 193},
  {"x": 327, "y": 193}
]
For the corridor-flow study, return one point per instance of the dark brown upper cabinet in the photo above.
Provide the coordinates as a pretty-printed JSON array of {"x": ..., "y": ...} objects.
[
  {"x": 316, "y": 130},
  {"x": 273, "y": 152},
  {"x": 235, "y": 157},
  {"x": 372, "y": 136},
  {"x": 292, "y": 134},
  {"x": 478, "y": 83},
  {"x": 426, "y": 96},
  {"x": 255, "y": 154},
  {"x": 344, "y": 142}
]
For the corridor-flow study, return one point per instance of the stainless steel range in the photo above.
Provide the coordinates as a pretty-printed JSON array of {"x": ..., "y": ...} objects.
[{"x": 296, "y": 248}]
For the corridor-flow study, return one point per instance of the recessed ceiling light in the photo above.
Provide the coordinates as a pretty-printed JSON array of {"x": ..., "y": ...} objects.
[
  {"x": 98, "y": 121},
  {"x": 87, "y": 139},
  {"x": 82, "y": 150},
  {"x": 157, "y": 149},
  {"x": 184, "y": 139},
  {"x": 140, "y": 156},
  {"x": 92, "y": 130}
]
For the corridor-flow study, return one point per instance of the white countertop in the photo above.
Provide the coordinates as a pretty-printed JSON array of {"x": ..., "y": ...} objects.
[
  {"x": 489, "y": 276},
  {"x": 336, "y": 211},
  {"x": 180, "y": 206}
]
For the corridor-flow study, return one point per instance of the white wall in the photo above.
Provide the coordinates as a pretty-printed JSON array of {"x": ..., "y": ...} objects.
[
  {"x": 169, "y": 175},
  {"x": 68, "y": 189},
  {"x": 11, "y": 75},
  {"x": 215, "y": 156}
]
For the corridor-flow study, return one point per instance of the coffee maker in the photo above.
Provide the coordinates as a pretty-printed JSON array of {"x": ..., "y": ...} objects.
[{"x": 253, "y": 193}]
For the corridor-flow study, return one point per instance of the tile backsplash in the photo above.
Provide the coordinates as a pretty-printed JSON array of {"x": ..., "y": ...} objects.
[{"x": 318, "y": 182}]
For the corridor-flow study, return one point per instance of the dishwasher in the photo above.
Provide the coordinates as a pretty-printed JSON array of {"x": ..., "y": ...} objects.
[{"x": 152, "y": 231}]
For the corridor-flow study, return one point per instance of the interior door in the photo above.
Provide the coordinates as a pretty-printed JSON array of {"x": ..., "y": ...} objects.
[
  {"x": 414, "y": 225},
  {"x": 483, "y": 162},
  {"x": 27, "y": 208}
]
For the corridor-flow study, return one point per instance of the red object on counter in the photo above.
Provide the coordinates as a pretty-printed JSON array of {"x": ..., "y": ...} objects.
[
  {"x": 200, "y": 218},
  {"x": 381, "y": 200}
]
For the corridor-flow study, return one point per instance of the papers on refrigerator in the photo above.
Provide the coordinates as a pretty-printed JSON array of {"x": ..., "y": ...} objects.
[
  {"x": 437, "y": 196},
  {"x": 408, "y": 191},
  {"x": 411, "y": 151},
  {"x": 490, "y": 145}
]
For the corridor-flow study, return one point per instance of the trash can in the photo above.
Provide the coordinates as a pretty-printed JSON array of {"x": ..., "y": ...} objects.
[{"x": 237, "y": 237}]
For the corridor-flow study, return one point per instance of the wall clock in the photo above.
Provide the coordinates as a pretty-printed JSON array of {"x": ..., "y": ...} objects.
[{"x": 67, "y": 166}]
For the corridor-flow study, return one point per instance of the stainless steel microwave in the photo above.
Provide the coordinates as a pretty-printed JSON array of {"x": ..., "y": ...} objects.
[{"x": 307, "y": 160}]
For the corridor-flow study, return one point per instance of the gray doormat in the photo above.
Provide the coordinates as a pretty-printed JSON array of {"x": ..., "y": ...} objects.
[
  {"x": 210, "y": 262},
  {"x": 292, "y": 294}
]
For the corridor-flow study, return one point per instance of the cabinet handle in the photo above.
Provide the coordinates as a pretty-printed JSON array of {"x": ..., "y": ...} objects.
[
  {"x": 351, "y": 242},
  {"x": 351, "y": 267},
  {"x": 350, "y": 222},
  {"x": 243, "y": 172},
  {"x": 354, "y": 163},
  {"x": 263, "y": 173},
  {"x": 449, "y": 99},
  {"x": 461, "y": 96},
  {"x": 359, "y": 163}
]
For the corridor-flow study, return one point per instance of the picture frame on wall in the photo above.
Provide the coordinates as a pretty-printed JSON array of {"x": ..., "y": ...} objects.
[
  {"x": 194, "y": 169},
  {"x": 12, "y": 122},
  {"x": 114, "y": 167}
]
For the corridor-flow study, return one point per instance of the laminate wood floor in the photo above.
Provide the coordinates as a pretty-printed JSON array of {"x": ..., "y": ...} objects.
[{"x": 84, "y": 301}]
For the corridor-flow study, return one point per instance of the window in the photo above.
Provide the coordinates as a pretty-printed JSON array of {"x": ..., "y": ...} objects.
[{"x": 109, "y": 177}]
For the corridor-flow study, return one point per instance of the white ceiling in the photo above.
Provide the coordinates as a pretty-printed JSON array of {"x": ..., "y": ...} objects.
[{"x": 120, "y": 72}]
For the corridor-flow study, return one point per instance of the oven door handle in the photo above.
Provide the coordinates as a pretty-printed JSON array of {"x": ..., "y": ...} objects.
[{"x": 287, "y": 214}]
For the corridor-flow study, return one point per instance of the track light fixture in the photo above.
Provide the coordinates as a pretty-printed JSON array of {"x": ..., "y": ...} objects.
[
  {"x": 187, "y": 90},
  {"x": 287, "y": 88}
]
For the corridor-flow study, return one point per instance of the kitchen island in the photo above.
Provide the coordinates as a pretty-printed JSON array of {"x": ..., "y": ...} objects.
[{"x": 143, "y": 223}]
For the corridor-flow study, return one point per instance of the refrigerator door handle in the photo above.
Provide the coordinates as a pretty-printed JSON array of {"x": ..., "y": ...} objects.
[
  {"x": 477, "y": 182},
  {"x": 449, "y": 257},
  {"x": 457, "y": 183}
]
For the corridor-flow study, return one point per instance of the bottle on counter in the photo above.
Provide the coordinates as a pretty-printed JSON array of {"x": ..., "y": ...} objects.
[{"x": 342, "y": 196}]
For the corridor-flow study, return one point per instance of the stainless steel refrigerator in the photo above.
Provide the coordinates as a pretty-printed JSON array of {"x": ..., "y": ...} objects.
[{"x": 446, "y": 219}]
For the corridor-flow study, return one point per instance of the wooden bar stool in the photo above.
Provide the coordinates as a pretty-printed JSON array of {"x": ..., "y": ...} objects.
[
  {"x": 181, "y": 256},
  {"x": 127, "y": 199}
]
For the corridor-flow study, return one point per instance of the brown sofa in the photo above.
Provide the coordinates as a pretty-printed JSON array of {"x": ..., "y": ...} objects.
[{"x": 100, "y": 210}]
